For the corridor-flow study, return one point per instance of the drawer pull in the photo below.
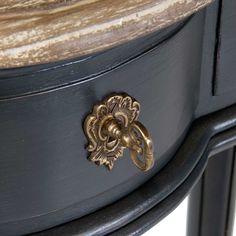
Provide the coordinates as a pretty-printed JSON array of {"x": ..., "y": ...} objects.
[{"x": 112, "y": 127}]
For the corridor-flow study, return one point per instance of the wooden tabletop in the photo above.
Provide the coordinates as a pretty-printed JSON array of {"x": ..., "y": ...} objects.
[{"x": 42, "y": 31}]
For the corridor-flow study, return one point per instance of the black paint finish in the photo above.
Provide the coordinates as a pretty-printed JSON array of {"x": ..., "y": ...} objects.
[
  {"x": 177, "y": 75},
  {"x": 147, "y": 205},
  {"x": 226, "y": 50},
  {"x": 210, "y": 205},
  {"x": 46, "y": 179},
  {"x": 42, "y": 78},
  {"x": 209, "y": 99}
]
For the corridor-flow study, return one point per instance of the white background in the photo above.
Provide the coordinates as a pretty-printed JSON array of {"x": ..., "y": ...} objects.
[{"x": 175, "y": 223}]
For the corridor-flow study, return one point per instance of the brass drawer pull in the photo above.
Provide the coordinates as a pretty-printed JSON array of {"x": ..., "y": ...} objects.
[{"x": 112, "y": 127}]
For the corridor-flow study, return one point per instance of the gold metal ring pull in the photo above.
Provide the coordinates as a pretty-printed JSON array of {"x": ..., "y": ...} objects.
[
  {"x": 146, "y": 151},
  {"x": 112, "y": 127}
]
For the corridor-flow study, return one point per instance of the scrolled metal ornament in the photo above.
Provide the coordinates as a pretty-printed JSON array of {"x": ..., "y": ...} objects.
[{"x": 112, "y": 127}]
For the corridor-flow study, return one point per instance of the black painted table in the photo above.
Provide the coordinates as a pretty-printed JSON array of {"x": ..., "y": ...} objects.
[{"x": 182, "y": 75}]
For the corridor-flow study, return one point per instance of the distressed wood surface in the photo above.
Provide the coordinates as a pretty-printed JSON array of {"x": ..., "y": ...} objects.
[{"x": 42, "y": 31}]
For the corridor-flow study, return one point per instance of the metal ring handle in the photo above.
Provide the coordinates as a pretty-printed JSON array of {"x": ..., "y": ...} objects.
[
  {"x": 112, "y": 127},
  {"x": 147, "y": 150}
]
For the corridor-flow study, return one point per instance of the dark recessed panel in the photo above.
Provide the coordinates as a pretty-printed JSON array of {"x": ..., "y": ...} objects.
[{"x": 225, "y": 74}]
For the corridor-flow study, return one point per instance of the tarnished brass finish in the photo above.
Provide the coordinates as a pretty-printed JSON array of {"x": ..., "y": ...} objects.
[{"x": 112, "y": 127}]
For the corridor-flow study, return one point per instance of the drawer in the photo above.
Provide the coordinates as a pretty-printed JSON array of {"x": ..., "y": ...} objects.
[{"x": 46, "y": 178}]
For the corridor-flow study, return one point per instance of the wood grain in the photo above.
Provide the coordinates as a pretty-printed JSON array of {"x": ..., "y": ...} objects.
[{"x": 42, "y": 31}]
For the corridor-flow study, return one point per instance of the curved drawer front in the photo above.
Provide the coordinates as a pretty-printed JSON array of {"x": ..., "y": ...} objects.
[{"x": 46, "y": 178}]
